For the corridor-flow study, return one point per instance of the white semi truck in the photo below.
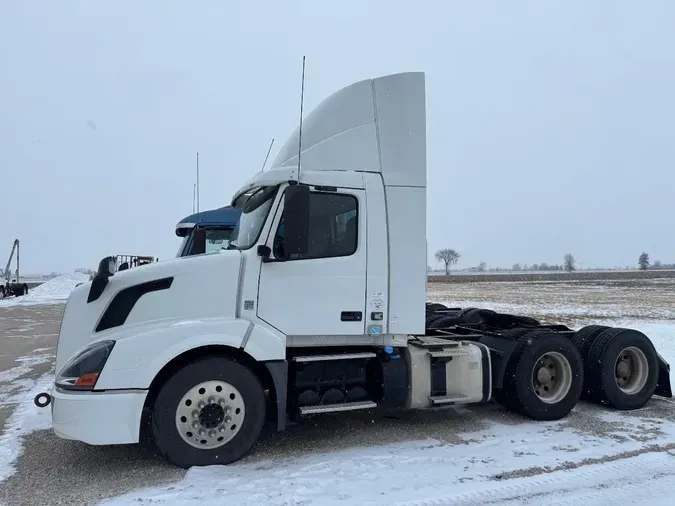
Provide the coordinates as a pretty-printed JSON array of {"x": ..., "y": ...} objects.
[{"x": 317, "y": 306}]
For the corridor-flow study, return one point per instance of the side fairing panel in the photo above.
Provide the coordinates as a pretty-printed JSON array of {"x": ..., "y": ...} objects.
[{"x": 406, "y": 217}]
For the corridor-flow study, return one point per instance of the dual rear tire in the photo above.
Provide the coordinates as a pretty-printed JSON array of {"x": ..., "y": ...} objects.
[
  {"x": 543, "y": 379},
  {"x": 548, "y": 373},
  {"x": 621, "y": 367}
]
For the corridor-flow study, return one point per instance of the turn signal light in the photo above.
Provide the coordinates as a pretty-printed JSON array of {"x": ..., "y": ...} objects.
[{"x": 87, "y": 380}]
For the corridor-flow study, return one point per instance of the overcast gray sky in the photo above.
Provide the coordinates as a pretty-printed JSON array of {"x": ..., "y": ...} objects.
[{"x": 551, "y": 125}]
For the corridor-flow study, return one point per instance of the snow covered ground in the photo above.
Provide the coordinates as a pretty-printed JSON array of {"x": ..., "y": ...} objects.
[
  {"x": 27, "y": 417},
  {"x": 595, "y": 455},
  {"x": 52, "y": 291}
]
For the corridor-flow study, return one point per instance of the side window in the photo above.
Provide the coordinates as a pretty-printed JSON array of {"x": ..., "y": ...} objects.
[
  {"x": 217, "y": 239},
  {"x": 333, "y": 227}
]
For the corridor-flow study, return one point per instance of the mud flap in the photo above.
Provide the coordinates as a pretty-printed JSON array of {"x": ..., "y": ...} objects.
[
  {"x": 663, "y": 388},
  {"x": 278, "y": 370}
]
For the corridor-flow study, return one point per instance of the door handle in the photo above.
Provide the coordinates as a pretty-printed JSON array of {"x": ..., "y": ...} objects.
[{"x": 351, "y": 316}]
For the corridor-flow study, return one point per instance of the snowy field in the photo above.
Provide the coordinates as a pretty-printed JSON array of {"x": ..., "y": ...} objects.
[{"x": 472, "y": 455}]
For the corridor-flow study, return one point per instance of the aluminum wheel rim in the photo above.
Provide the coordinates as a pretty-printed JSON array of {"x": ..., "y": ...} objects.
[
  {"x": 210, "y": 414},
  {"x": 631, "y": 370},
  {"x": 552, "y": 377}
]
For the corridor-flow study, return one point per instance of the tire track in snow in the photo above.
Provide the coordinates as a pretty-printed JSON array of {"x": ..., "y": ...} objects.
[
  {"x": 569, "y": 465},
  {"x": 602, "y": 481}
]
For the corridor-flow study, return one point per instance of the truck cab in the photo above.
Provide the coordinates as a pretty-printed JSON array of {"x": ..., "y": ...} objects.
[
  {"x": 217, "y": 224},
  {"x": 317, "y": 305}
]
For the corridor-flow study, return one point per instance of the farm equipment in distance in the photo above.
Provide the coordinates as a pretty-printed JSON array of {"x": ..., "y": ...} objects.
[
  {"x": 123, "y": 262},
  {"x": 12, "y": 286}
]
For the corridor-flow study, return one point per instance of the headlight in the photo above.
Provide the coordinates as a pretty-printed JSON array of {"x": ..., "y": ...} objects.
[{"x": 82, "y": 371}]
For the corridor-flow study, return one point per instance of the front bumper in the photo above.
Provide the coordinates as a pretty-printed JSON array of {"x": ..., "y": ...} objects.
[{"x": 98, "y": 418}]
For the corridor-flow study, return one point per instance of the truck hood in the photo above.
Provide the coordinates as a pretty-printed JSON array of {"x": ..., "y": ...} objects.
[{"x": 187, "y": 288}]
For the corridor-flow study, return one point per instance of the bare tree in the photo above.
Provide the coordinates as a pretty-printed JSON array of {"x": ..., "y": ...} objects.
[
  {"x": 482, "y": 266},
  {"x": 569, "y": 263},
  {"x": 516, "y": 267},
  {"x": 643, "y": 261},
  {"x": 448, "y": 257},
  {"x": 657, "y": 264}
]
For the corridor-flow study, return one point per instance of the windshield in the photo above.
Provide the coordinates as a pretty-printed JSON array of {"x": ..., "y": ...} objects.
[
  {"x": 216, "y": 239},
  {"x": 252, "y": 218},
  {"x": 183, "y": 242}
]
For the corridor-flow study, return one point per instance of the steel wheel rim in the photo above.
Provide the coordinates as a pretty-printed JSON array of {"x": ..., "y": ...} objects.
[
  {"x": 551, "y": 377},
  {"x": 631, "y": 370},
  {"x": 210, "y": 414}
]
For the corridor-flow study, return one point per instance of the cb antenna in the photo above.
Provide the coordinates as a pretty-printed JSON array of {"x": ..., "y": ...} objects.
[
  {"x": 197, "y": 185},
  {"x": 267, "y": 156},
  {"x": 302, "y": 99}
]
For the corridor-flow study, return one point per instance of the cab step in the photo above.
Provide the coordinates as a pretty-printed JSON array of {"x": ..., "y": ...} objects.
[
  {"x": 437, "y": 342},
  {"x": 449, "y": 353},
  {"x": 332, "y": 408},
  {"x": 336, "y": 356},
  {"x": 441, "y": 400}
]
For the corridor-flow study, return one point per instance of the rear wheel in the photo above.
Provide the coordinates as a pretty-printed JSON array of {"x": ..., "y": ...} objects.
[
  {"x": 209, "y": 412},
  {"x": 544, "y": 377},
  {"x": 583, "y": 339},
  {"x": 623, "y": 369}
]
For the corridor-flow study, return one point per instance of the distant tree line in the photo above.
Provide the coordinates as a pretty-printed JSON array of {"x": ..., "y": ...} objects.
[{"x": 449, "y": 257}]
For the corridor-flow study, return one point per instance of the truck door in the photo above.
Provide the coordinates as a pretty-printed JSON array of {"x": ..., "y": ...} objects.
[{"x": 322, "y": 293}]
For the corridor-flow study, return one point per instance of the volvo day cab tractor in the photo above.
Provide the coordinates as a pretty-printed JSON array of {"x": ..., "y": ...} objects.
[
  {"x": 217, "y": 224},
  {"x": 318, "y": 306}
]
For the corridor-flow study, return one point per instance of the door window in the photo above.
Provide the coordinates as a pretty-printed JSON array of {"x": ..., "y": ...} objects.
[{"x": 333, "y": 227}]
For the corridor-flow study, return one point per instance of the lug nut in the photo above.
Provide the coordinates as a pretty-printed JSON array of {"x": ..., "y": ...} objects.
[
  {"x": 228, "y": 419},
  {"x": 212, "y": 433},
  {"x": 201, "y": 404},
  {"x": 228, "y": 411},
  {"x": 202, "y": 432},
  {"x": 221, "y": 429},
  {"x": 195, "y": 414},
  {"x": 212, "y": 400},
  {"x": 221, "y": 403},
  {"x": 195, "y": 424}
]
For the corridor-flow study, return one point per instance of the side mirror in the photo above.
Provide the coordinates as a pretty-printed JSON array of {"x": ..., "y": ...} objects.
[
  {"x": 199, "y": 241},
  {"x": 296, "y": 219},
  {"x": 106, "y": 267}
]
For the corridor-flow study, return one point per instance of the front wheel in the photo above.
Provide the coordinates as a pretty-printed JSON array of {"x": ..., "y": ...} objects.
[{"x": 210, "y": 411}]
